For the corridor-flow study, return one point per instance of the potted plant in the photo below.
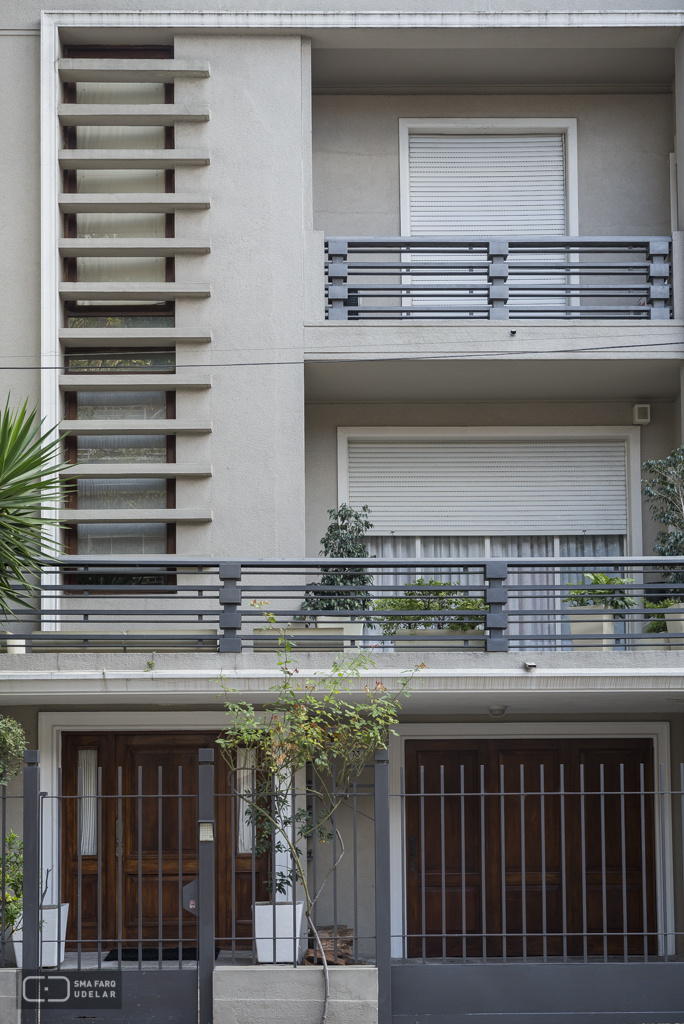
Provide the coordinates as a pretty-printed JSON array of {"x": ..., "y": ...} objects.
[
  {"x": 425, "y": 613},
  {"x": 310, "y": 724},
  {"x": 664, "y": 493},
  {"x": 605, "y": 601},
  {"x": 12, "y": 747},
  {"x": 344, "y": 538}
]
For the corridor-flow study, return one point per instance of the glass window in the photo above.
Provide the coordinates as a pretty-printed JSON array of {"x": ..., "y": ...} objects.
[
  {"x": 160, "y": 360},
  {"x": 121, "y": 268},
  {"x": 119, "y": 314},
  {"x": 122, "y": 493},
  {"x": 120, "y": 405},
  {"x": 104, "y": 539},
  {"x": 120, "y": 225},
  {"x": 139, "y": 180},
  {"x": 100, "y": 136},
  {"x": 121, "y": 448},
  {"x": 119, "y": 92}
]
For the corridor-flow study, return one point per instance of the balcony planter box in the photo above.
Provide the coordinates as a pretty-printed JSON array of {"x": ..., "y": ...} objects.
[
  {"x": 445, "y": 638},
  {"x": 52, "y": 949},
  {"x": 264, "y": 918},
  {"x": 674, "y": 617},
  {"x": 326, "y": 625},
  {"x": 600, "y": 622}
]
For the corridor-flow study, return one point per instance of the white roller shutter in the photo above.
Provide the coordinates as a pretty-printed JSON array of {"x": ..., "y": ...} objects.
[
  {"x": 487, "y": 185},
  {"x": 486, "y": 488}
]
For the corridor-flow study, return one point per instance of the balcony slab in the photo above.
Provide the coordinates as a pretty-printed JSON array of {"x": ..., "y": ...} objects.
[
  {"x": 131, "y": 113},
  {"x": 126, "y": 159},
  {"x": 71, "y": 69},
  {"x": 467, "y": 684}
]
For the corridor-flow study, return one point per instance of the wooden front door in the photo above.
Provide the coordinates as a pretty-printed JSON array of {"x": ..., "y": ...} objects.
[
  {"x": 127, "y": 855},
  {"x": 497, "y": 874}
]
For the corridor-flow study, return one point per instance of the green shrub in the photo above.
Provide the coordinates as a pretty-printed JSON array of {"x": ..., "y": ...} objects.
[{"x": 437, "y": 600}]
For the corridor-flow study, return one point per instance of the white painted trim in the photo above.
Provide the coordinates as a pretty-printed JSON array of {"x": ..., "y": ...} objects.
[
  {"x": 50, "y": 401},
  {"x": 658, "y": 732},
  {"x": 290, "y": 20},
  {"x": 566, "y": 126},
  {"x": 631, "y": 435}
]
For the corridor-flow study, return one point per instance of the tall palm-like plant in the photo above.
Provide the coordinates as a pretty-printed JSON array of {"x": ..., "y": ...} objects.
[{"x": 29, "y": 480}]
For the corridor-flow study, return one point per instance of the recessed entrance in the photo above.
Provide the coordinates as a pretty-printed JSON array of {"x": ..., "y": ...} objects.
[{"x": 126, "y": 857}]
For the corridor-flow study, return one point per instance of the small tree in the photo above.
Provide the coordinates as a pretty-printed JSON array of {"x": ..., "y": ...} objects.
[
  {"x": 664, "y": 493},
  {"x": 344, "y": 538},
  {"x": 309, "y": 722},
  {"x": 12, "y": 747},
  {"x": 29, "y": 479}
]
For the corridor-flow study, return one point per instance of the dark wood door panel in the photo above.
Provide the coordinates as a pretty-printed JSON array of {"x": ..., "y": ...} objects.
[
  {"x": 528, "y": 841},
  {"x": 147, "y": 840}
]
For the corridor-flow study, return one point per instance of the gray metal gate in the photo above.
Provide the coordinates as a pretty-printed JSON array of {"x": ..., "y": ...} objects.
[
  {"x": 479, "y": 938},
  {"x": 165, "y": 978}
]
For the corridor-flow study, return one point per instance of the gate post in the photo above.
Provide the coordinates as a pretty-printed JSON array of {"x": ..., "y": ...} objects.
[
  {"x": 206, "y": 954},
  {"x": 31, "y": 904},
  {"x": 383, "y": 912}
]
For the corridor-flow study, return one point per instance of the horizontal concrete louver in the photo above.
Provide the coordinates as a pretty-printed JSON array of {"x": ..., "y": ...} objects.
[
  {"x": 485, "y": 488},
  {"x": 487, "y": 185}
]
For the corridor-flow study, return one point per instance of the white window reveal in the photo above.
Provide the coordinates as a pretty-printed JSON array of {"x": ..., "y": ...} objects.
[{"x": 471, "y": 488}]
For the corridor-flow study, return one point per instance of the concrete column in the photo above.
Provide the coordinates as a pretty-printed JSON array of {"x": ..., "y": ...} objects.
[{"x": 260, "y": 186}]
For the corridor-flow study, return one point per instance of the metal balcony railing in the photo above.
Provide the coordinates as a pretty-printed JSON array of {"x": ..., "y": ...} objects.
[
  {"x": 165, "y": 603},
  {"x": 498, "y": 278}
]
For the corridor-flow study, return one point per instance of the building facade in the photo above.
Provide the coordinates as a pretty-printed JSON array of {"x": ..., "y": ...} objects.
[{"x": 260, "y": 264}]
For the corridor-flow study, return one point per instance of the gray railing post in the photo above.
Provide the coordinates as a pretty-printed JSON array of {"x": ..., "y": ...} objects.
[
  {"x": 496, "y": 597},
  {"x": 659, "y": 271},
  {"x": 497, "y": 274},
  {"x": 230, "y": 619},
  {"x": 383, "y": 909},
  {"x": 31, "y": 903},
  {"x": 206, "y": 951},
  {"x": 338, "y": 270}
]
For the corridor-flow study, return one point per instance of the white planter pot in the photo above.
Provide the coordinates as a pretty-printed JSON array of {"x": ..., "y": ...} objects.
[
  {"x": 264, "y": 919},
  {"x": 328, "y": 625},
  {"x": 600, "y": 622},
  {"x": 52, "y": 948},
  {"x": 420, "y": 638},
  {"x": 674, "y": 617}
]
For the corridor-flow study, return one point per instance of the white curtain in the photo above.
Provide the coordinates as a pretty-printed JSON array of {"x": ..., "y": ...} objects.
[
  {"x": 540, "y": 612},
  {"x": 119, "y": 92},
  {"x": 120, "y": 268},
  {"x": 244, "y": 783},
  {"x": 114, "y": 181},
  {"x": 87, "y": 765}
]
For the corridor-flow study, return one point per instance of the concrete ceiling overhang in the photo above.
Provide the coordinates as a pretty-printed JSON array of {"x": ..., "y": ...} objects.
[
  {"x": 457, "y": 59},
  {"x": 445, "y": 380}
]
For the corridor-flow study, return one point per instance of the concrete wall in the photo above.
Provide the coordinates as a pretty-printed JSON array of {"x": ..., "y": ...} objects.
[
  {"x": 20, "y": 191},
  {"x": 657, "y": 439},
  {"x": 624, "y": 144},
  {"x": 258, "y": 92},
  {"x": 9, "y": 996},
  {"x": 289, "y": 995}
]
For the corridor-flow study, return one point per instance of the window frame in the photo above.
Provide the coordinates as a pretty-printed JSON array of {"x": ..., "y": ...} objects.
[{"x": 566, "y": 126}]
